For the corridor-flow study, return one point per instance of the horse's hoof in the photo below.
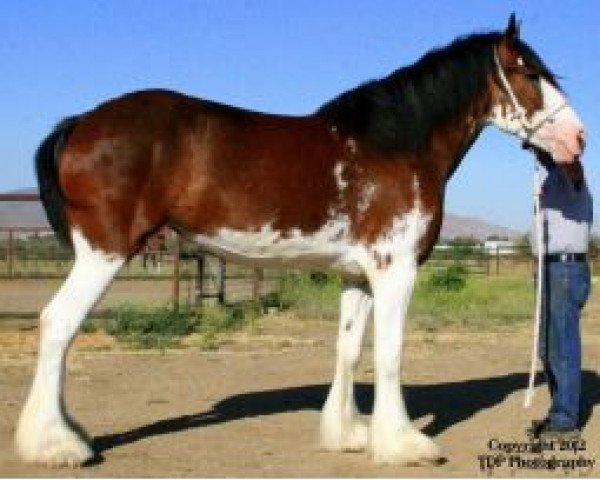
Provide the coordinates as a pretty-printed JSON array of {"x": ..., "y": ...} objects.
[
  {"x": 57, "y": 449},
  {"x": 409, "y": 447}
]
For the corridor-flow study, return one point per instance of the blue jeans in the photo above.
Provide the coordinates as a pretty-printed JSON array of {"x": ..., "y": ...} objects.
[{"x": 565, "y": 291}]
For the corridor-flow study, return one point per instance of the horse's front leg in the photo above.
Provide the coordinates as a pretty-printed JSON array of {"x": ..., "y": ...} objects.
[
  {"x": 340, "y": 427},
  {"x": 394, "y": 439}
]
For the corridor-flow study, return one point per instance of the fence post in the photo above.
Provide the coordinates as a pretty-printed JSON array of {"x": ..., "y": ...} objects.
[
  {"x": 176, "y": 275},
  {"x": 221, "y": 293},
  {"x": 10, "y": 253},
  {"x": 199, "y": 287},
  {"x": 36, "y": 250},
  {"x": 257, "y": 284},
  {"x": 497, "y": 260}
]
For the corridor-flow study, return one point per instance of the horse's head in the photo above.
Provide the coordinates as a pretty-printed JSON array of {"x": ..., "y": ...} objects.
[{"x": 527, "y": 101}]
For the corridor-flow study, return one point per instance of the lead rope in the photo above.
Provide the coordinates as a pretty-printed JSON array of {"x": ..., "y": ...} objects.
[
  {"x": 537, "y": 192},
  {"x": 520, "y": 115}
]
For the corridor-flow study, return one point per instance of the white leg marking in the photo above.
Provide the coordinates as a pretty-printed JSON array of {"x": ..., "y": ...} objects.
[
  {"x": 340, "y": 429},
  {"x": 45, "y": 434},
  {"x": 393, "y": 438}
]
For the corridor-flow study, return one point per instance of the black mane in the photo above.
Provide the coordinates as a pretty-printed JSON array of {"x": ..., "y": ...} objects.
[{"x": 399, "y": 112}]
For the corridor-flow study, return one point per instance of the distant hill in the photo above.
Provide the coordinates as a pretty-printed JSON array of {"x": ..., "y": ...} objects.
[
  {"x": 459, "y": 226},
  {"x": 31, "y": 214},
  {"x": 24, "y": 190},
  {"x": 22, "y": 214}
]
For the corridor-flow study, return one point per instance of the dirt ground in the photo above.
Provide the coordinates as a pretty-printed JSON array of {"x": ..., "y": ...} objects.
[{"x": 251, "y": 409}]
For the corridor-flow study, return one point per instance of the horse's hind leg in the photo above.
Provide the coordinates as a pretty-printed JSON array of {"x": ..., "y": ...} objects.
[
  {"x": 45, "y": 434},
  {"x": 340, "y": 427}
]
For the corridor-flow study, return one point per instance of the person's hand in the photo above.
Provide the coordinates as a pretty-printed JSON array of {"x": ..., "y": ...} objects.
[
  {"x": 544, "y": 158},
  {"x": 574, "y": 172}
]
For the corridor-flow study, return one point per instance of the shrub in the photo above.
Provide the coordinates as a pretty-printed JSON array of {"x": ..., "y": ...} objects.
[
  {"x": 150, "y": 328},
  {"x": 271, "y": 300},
  {"x": 310, "y": 295},
  {"x": 88, "y": 326},
  {"x": 164, "y": 328},
  {"x": 484, "y": 302},
  {"x": 452, "y": 278}
]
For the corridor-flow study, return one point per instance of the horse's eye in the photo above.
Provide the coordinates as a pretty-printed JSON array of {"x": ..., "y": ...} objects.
[{"x": 533, "y": 76}]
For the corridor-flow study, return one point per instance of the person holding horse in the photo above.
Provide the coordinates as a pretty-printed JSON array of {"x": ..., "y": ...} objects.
[{"x": 566, "y": 209}]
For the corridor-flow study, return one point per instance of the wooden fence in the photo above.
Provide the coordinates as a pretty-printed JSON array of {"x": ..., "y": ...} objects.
[{"x": 33, "y": 252}]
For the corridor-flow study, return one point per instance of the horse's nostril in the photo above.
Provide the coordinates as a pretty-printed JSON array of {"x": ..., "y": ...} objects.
[{"x": 581, "y": 140}]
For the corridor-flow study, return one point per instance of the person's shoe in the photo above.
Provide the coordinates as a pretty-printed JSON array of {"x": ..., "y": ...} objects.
[
  {"x": 536, "y": 427},
  {"x": 553, "y": 432}
]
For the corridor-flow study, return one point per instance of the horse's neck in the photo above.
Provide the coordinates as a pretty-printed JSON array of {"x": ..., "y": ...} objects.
[{"x": 452, "y": 141}]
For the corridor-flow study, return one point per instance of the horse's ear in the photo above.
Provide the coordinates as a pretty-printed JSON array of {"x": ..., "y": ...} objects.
[
  {"x": 511, "y": 34},
  {"x": 508, "y": 44}
]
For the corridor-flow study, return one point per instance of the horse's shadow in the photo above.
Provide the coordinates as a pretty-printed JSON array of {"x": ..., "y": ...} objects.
[{"x": 449, "y": 403}]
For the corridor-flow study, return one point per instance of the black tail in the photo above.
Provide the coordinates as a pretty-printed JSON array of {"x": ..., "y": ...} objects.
[{"x": 46, "y": 166}]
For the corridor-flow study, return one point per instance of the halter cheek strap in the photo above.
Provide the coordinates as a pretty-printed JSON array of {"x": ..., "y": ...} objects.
[{"x": 519, "y": 112}]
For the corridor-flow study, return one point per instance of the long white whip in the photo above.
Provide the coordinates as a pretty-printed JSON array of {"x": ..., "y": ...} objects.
[{"x": 539, "y": 221}]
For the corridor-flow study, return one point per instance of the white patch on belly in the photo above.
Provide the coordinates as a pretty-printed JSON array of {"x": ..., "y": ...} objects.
[{"x": 327, "y": 248}]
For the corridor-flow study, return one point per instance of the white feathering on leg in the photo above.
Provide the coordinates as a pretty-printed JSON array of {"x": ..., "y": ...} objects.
[{"x": 44, "y": 433}]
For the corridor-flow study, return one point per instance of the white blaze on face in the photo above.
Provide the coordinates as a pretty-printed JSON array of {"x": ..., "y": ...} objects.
[
  {"x": 555, "y": 128},
  {"x": 561, "y": 130}
]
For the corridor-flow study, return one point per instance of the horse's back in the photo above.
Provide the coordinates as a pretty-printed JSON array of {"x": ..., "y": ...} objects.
[{"x": 158, "y": 157}]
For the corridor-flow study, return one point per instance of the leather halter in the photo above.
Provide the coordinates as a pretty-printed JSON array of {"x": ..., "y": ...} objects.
[{"x": 519, "y": 112}]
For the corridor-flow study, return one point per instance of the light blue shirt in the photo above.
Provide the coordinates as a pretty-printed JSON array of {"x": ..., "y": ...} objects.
[{"x": 567, "y": 213}]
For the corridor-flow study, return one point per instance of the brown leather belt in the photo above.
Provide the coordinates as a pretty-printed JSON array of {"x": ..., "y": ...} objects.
[{"x": 566, "y": 257}]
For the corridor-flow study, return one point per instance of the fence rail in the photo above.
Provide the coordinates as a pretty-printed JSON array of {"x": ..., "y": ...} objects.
[{"x": 35, "y": 253}]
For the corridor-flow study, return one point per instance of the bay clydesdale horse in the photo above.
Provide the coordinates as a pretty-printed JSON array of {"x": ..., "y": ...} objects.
[{"x": 357, "y": 187}]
